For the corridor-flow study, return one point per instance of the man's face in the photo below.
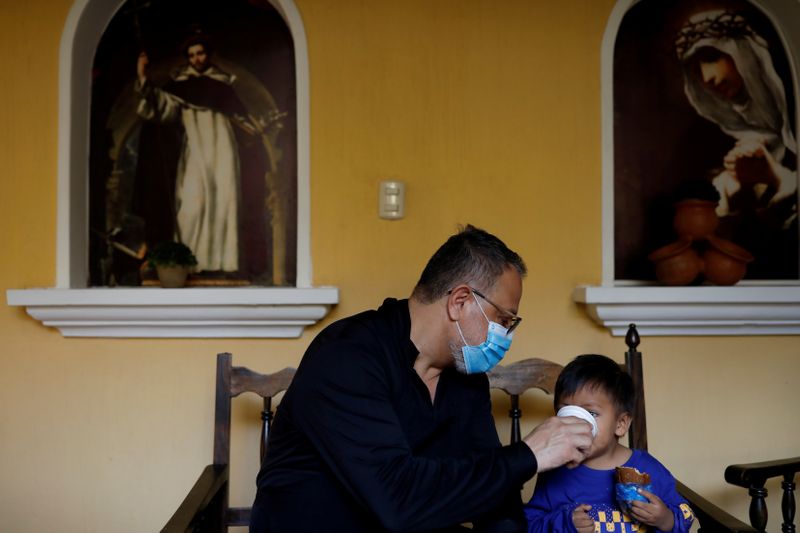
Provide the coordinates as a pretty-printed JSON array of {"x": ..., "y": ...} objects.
[
  {"x": 198, "y": 58},
  {"x": 505, "y": 295},
  {"x": 502, "y": 302}
]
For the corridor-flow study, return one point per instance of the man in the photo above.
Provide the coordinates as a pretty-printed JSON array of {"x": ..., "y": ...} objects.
[
  {"x": 201, "y": 97},
  {"x": 387, "y": 425}
]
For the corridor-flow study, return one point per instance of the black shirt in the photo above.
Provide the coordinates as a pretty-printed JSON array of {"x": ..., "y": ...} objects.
[{"x": 358, "y": 446}]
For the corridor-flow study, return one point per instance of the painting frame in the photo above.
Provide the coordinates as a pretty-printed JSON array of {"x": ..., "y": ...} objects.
[
  {"x": 618, "y": 211},
  {"x": 266, "y": 84}
]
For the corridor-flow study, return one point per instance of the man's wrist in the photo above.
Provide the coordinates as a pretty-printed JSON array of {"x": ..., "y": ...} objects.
[{"x": 524, "y": 459}]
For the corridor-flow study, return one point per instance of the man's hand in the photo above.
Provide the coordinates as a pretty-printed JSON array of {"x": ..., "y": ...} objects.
[
  {"x": 653, "y": 513},
  {"x": 581, "y": 519},
  {"x": 560, "y": 440},
  {"x": 141, "y": 67}
]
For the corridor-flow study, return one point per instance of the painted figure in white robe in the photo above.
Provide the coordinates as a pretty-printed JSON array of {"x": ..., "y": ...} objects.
[
  {"x": 730, "y": 79},
  {"x": 201, "y": 97}
]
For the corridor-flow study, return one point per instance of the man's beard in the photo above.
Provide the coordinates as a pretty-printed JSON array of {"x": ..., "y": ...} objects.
[{"x": 458, "y": 358}]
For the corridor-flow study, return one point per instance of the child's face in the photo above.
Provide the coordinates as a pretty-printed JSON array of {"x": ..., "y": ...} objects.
[{"x": 611, "y": 425}]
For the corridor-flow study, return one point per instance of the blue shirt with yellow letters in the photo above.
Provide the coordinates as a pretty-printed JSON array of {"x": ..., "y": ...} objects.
[{"x": 559, "y": 491}]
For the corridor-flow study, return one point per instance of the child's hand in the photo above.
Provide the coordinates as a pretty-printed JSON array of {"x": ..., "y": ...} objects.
[
  {"x": 653, "y": 513},
  {"x": 581, "y": 519}
]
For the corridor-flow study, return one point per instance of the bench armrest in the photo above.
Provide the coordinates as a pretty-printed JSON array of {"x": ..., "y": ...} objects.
[
  {"x": 756, "y": 474},
  {"x": 197, "y": 512},
  {"x": 712, "y": 519}
]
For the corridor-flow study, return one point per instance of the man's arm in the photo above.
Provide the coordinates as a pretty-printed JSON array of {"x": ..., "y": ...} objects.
[
  {"x": 154, "y": 104},
  {"x": 549, "y": 438},
  {"x": 508, "y": 516}
]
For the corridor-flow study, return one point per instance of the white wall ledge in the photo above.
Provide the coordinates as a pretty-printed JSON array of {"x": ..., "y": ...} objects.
[
  {"x": 738, "y": 310},
  {"x": 246, "y": 312}
]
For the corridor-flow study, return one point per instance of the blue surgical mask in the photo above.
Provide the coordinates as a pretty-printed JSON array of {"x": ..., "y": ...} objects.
[{"x": 485, "y": 356}]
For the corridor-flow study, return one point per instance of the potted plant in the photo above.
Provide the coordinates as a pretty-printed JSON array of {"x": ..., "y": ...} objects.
[{"x": 173, "y": 261}]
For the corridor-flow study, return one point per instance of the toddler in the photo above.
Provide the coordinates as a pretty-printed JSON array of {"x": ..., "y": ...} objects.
[{"x": 582, "y": 498}]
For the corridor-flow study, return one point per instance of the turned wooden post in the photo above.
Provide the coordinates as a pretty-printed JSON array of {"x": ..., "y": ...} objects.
[
  {"x": 515, "y": 413},
  {"x": 266, "y": 421},
  {"x": 758, "y": 506},
  {"x": 637, "y": 437},
  {"x": 788, "y": 504},
  {"x": 222, "y": 410}
]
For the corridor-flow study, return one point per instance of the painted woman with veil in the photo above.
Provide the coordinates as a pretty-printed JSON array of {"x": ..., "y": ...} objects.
[{"x": 730, "y": 79}]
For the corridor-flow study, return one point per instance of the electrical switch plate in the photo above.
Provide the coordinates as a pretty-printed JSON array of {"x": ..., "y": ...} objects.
[{"x": 391, "y": 200}]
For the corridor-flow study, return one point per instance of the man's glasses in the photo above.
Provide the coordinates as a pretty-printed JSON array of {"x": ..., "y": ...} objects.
[{"x": 509, "y": 320}]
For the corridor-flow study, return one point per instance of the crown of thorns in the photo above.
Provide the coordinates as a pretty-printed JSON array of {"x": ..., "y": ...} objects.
[{"x": 723, "y": 25}]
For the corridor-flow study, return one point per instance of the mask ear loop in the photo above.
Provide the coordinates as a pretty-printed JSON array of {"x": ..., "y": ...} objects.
[
  {"x": 505, "y": 329},
  {"x": 458, "y": 326},
  {"x": 464, "y": 340}
]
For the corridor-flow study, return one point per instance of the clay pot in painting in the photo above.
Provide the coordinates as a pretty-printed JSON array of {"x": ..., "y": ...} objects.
[
  {"x": 172, "y": 276},
  {"x": 677, "y": 263},
  {"x": 725, "y": 263},
  {"x": 695, "y": 219}
]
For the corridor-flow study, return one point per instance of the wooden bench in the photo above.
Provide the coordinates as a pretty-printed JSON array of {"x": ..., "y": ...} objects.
[{"x": 206, "y": 509}]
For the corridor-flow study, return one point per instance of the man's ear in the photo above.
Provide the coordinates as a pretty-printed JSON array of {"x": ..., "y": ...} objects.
[
  {"x": 623, "y": 423},
  {"x": 457, "y": 300}
]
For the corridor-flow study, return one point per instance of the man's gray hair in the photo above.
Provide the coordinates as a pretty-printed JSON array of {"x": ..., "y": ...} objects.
[{"x": 472, "y": 256}]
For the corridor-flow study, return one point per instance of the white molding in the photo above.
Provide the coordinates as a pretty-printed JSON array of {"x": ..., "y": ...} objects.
[
  {"x": 706, "y": 310},
  {"x": 154, "y": 312}
]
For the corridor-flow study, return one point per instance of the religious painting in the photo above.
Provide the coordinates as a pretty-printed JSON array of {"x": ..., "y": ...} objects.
[
  {"x": 193, "y": 140},
  {"x": 704, "y": 113}
]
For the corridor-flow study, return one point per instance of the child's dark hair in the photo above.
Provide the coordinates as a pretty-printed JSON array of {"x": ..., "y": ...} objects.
[{"x": 599, "y": 371}]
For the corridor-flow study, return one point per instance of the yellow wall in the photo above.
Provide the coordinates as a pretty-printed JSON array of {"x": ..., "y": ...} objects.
[{"x": 490, "y": 111}]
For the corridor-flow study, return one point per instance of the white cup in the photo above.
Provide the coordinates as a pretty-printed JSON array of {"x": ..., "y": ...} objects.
[{"x": 579, "y": 412}]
